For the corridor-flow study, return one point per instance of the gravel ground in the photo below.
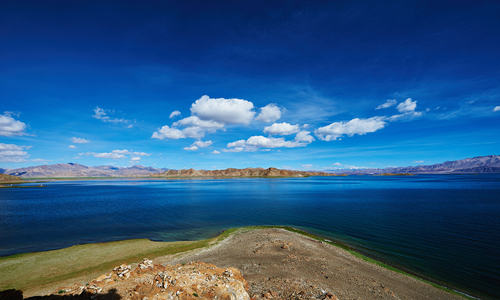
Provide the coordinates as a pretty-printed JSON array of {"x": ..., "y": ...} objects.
[{"x": 284, "y": 265}]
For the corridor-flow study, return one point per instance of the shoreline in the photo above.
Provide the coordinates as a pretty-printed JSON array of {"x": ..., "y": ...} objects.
[{"x": 173, "y": 249}]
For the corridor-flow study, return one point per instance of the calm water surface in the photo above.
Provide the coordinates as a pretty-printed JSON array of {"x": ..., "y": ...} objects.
[{"x": 443, "y": 227}]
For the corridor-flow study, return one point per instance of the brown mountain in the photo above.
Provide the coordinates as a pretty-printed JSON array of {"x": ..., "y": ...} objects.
[
  {"x": 231, "y": 172},
  {"x": 9, "y": 178}
]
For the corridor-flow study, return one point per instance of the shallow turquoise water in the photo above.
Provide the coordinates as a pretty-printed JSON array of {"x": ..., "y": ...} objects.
[{"x": 443, "y": 227}]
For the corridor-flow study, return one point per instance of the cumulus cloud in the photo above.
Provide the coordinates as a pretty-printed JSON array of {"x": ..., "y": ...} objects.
[
  {"x": 265, "y": 142},
  {"x": 355, "y": 126},
  {"x": 135, "y": 159},
  {"x": 79, "y": 140},
  {"x": 72, "y": 146},
  {"x": 407, "y": 106},
  {"x": 11, "y": 127},
  {"x": 102, "y": 114},
  {"x": 270, "y": 113},
  {"x": 304, "y": 136},
  {"x": 387, "y": 104},
  {"x": 307, "y": 166},
  {"x": 418, "y": 161},
  {"x": 198, "y": 144},
  {"x": 216, "y": 152},
  {"x": 337, "y": 164},
  {"x": 174, "y": 114},
  {"x": 221, "y": 110},
  {"x": 13, "y": 153},
  {"x": 497, "y": 108},
  {"x": 282, "y": 129},
  {"x": 168, "y": 133}
]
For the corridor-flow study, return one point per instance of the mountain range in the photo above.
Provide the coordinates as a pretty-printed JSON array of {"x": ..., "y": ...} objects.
[
  {"x": 479, "y": 164},
  {"x": 77, "y": 170}
]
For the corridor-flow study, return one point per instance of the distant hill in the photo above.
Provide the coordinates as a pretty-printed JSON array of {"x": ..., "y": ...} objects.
[
  {"x": 8, "y": 178},
  {"x": 479, "y": 164},
  {"x": 77, "y": 170},
  {"x": 231, "y": 172}
]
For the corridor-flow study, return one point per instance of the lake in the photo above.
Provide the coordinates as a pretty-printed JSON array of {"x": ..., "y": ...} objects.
[{"x": 444, "y": 227}]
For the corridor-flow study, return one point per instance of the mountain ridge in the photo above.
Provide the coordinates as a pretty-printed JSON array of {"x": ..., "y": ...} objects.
[{"x": 478, "y": 164}]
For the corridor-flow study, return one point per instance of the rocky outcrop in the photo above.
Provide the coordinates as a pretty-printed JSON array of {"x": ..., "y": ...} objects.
[
  {"x": 195, "y": 280},
  {"x": 231, "y": 172}
]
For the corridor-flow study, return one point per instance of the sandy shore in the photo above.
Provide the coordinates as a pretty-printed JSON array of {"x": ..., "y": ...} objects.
[{"x": 289, "y": 264}]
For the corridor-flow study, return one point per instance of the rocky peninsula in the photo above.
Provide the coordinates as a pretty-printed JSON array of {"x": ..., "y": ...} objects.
[{"x": 248, "y": 263}]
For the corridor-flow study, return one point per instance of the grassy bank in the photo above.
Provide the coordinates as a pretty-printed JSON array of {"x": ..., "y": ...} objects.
[{"x": 37, "y": 272}]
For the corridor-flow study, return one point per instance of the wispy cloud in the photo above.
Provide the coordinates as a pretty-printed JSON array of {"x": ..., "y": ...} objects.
[
  {"x": 116, "y": 154},
  {"x": 13, "y": 153},
  {"x": 387, "y": 104},
  {"x": 103, "y": 115}
]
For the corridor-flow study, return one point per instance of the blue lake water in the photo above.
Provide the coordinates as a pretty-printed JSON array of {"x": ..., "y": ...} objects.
[{"x": 443, "y": 227}]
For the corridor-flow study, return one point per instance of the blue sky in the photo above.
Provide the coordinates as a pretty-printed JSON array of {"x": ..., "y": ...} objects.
[{"x": 218, "y": 84}]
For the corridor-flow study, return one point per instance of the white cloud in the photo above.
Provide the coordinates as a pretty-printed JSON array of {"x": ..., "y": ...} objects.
[
  {"x": 202, "y": 144},
  {"x": 216, "y": 152},
  {"x": 418, "y": 161},
  {"x": 79, "y": 140},
  {"x": 237, "y": 149},
  {"x": 168, "y": 133},
  {"x": 240, "y": 143},
  {"x": 307, "y": 166},
  {"x": 356, "y": 126},
  {"x": 13, "y": 153},
  {"x": 108, "y": 155},
  {"x": 116, "y": 154},
  {"x": 282, "y": 129},
  {"x": 195, "y": 121},
  {"x": 125, "y": 151},
  {"x": 198, "y": 144},
  {"x": 337, "y": 164},
  {"x": 135, "y": 159},
  {"x": 191, "y": 148},
  {"x": 270, "y": 113},
  {"x": 174, "y": 114},
  {"x": 407, "y": 106},
  {"x": 39, "y": 159},
  {"x": 497, "y": 108},
  {"x": 221, "y": 110},
  {"x": 304, "y": 136},
  {"x": 405, "y": 116},
  {"x": 11, "y": 127},
  {"x": 102, "y": 114},
  {"x": 259, "y": 141},
  {"x": 387, "y": 104},
  {"x": 72, "y": 146}
]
